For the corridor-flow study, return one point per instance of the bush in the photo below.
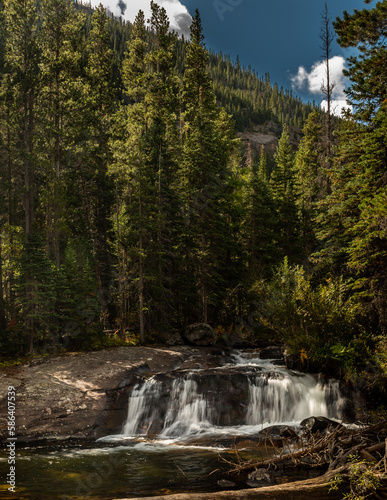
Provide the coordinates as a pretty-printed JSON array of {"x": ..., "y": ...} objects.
[{"x": 320, "y": 324}]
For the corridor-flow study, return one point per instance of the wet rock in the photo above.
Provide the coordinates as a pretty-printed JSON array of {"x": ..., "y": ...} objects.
[
  {"x": 289, "y": 433},
  {"x": 259, "y": 477},
  {"x": 315, "y": 424},
  {"x": 224, "y": 483},
  {"x": 200, "y": 334},
  {"x": 271, "y": 352},
  {"x": 275, "y": 434}
]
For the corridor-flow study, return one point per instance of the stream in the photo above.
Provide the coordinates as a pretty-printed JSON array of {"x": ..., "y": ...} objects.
[{"x": 180, "y": 426}]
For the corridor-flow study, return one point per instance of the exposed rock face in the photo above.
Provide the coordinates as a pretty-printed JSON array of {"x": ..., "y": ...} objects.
[
  {"x": 222, "y": 411},
  {"x": 80, "y": 395},
  {"x": 200, "y": 334},
  {"x": 258, "y": 139}
]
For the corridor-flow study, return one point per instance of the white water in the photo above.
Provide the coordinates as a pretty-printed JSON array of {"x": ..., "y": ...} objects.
[{"x": 276, "y": 396}]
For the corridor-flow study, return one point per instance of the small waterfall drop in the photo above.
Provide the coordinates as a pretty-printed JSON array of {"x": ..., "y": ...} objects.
[
  {"x": 188, "y": 413},
  {"x": 241, "y": 398}
]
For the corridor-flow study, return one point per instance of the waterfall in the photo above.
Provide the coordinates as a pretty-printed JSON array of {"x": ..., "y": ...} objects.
[
  {"x": 277, "y": 398},
  {"x": 142, "y": 408},
  {"x": 234, "y": 399},
  {"x": 188, "y": 412}
]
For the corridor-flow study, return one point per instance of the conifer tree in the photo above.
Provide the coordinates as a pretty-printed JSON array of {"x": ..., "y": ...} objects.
[
  {"x": 260, "y": 227},
  {"x": 284, "y": 191},
  {"x": 152, "y": 141},
  {"x": 163, "y": 150},
  {"x": 95, "y": 186},
  {"x": 60, "y": 105},
  {"x": 311, "y": 179},
  {"x": 366, "y": 30},
  {"x": 352, "y": 218},
  {"x": 327, "y": 37},
  {"x": 19, "y": 92},
  {"x": 205, "y": 175},
  {"x": 3, "y": 318},
  {"x": 133, "y": 185},
  {"x": 21, "y": 61}
]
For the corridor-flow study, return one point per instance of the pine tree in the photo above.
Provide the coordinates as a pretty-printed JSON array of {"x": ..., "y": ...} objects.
[
  {"x": 353, "y": 217},
  {"x": 366, "y": 30},
  {"x": 3, "y": 318},
  {"x": 133, "y": 183},
  {"x": 163, "y": 150},
  {"x": 205, "y": 175},
  {"x": 21, "y": 61},
  {"x": 19, "y": 92},
  {"x": 95, "y": 188},
  {"x": 60, "y": 106},
  {"x": 311, "y": 179},
  {"x": 259, "y": 230},
  {"x": 283, "y": 185},
  {"x": 327, "y": 37}
]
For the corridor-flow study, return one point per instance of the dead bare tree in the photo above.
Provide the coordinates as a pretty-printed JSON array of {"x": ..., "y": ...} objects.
[{"x": 327, "y": 37}]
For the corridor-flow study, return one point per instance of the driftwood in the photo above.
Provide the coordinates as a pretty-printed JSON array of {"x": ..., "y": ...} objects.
[
  {"x": 317, "y": 488},
  {"x": 332, "y": 449}
]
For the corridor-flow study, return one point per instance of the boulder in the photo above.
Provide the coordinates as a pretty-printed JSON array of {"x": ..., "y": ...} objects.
[
  {"x": 271, "y": 352},
  {"x": 200, "y": 334},
  {"x": 314, "y": 424}
]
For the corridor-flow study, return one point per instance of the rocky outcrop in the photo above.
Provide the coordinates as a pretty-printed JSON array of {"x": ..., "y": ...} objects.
[
  {"x": 258, "y": 139},
  {"x": 82, "y": 395},
  {"x": 85, "y": 395}
]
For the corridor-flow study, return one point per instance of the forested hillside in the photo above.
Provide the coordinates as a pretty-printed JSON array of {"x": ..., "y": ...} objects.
[{"x": 128, "y": 205}]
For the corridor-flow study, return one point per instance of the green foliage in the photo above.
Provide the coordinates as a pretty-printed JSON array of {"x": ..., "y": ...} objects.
[
  {"x": 283, "y": 184},
  {"x": 366, "y": 30},
  {"x": 128, "y": 205},
  {"x": 319, "y": 323},
  {"x": 364, "y": 480}
]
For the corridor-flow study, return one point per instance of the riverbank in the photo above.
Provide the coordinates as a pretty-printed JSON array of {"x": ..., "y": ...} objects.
[{"x": 83, "y": 396}]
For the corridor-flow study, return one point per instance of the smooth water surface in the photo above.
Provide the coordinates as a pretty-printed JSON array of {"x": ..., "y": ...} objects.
[{"x": 134, "y": 470}]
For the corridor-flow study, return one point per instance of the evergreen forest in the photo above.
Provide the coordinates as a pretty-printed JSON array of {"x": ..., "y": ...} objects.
[{"x": 130, "y": 207}]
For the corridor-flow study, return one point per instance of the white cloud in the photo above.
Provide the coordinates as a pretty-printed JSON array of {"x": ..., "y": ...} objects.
[
  {"x": 178, "y": 14},
  {"x": 337, "y": 106},
  {"x": 313, "y": 80}
]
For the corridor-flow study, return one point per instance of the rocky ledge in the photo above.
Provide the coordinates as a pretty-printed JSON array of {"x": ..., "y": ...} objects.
[{"x": 84, "y": 395}]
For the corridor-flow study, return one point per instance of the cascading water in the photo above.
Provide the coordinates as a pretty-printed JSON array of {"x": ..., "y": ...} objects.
[{"x": 239, "y": 398}]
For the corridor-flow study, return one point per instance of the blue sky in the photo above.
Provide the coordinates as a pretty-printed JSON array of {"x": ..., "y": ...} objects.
[{"x": 280, "y": 37}]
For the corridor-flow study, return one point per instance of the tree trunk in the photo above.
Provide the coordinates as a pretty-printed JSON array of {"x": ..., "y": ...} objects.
[
  {"x": 317, "y": 488},
  {"x": 327, "y": 37},
  {"x": 3, "y": 321},
  {"x": 121, "y": 303},
  {"x": 141, "y": 271},
  {"x": 29, "y": 181},
  {"x": 204, "y": 280}
]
